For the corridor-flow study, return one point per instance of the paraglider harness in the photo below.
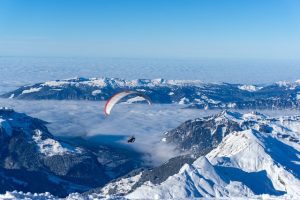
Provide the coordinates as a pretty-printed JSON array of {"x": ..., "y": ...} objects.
[{"x": 131, "y": 139}]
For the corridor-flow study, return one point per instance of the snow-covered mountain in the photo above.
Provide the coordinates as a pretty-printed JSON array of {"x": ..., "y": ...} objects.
[
  {"x": 33, "y": 160},
  {"x": 195, "y": 94},
  {"x": 201, "y": 135},
  {"x": 256, "y": 156},
  {"x": 245, "y": 164},
  {"x": 246, "y": 156}
]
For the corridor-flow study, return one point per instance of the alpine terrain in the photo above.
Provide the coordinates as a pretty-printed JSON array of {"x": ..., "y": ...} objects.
[
  {"x": 227, "y": 155},
  {"x": 33, "y": 160}
]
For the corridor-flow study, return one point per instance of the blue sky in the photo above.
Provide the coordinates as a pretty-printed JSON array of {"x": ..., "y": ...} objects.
[{"x": 243, "y": 29}]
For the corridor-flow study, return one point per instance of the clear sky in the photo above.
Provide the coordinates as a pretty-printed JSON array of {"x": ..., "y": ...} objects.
[{"x": 268, "y": 29}]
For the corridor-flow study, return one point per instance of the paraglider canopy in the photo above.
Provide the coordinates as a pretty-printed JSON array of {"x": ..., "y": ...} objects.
[{"x": 117, "y": 97}]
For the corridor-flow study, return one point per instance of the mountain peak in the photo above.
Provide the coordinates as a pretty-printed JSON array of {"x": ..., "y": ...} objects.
[
  {"x": 238, "y": 117},
  {"x": 234, "y": 116}
]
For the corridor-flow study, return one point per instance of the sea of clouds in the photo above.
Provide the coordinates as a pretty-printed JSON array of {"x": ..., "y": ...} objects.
[
  {"x": 147, "y": 123},
  {"x": 86, "y": 118},
  {"x": 17, "y": 71}
]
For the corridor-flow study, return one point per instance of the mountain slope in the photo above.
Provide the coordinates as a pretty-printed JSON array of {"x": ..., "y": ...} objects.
[
  {"x": 246, "y": 163},
  {"x": 201, "y": 135},
  {"x": 33, "y": 160},
  {"x": 259, "y": 157}
]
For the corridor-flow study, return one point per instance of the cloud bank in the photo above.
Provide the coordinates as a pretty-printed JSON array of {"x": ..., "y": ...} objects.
[{"x": 86, "y": 118}]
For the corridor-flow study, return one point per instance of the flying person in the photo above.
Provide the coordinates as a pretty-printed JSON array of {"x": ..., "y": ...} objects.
[
  {"x": 116, "y": 98},
  {"x": 131, "y": 139}
]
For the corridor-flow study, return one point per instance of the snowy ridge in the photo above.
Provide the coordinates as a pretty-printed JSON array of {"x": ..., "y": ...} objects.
[
  {"x": 116, "y": 82},
  {"x": 247, "y": 163},
  {"x": 15, "y": 195},
  {"x": 261, "y": 160},
  {"x": 31, "y": 90},
  {"x": 193, "y": 181},
  {"x": 249, "y": 150}
]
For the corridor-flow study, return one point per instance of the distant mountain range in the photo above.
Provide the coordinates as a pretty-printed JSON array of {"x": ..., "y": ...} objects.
[{"x": 194, "y": 94}]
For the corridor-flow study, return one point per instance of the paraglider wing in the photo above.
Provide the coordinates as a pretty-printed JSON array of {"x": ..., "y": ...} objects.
[{"x": 117, "y": 97}]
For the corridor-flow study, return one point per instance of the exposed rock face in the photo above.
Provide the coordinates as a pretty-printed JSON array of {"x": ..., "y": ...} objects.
[{"x": 200, "y": 136}]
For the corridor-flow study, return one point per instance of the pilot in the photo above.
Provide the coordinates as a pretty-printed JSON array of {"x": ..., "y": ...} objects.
[{"x": 131, "y": 139}]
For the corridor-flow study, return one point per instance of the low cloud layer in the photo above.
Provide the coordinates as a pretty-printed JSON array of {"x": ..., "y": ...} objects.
[{"x": 85, "y": 118}]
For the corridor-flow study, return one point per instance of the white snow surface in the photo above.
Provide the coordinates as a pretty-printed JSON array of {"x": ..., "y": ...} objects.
[
  {"x": 122, "y": 186},
  {"x": 31, "y": 90},
  {"x": 28, "y": 196},
  {"x": 96, "y": 92},
  {"x": 288, "y": 84},
  {"x": 135, "y": 99},
  {"x": 249, "y": 88},
  {"x": 116, "y": 82},
  {"x": 183, "y": 100},
  {"x": 247, "y": 150},
  {"x": 51, "y": 147}
]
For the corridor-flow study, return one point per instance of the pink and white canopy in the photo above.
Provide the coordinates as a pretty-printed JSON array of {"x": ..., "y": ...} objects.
[{"x": 117, "y": 97}]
